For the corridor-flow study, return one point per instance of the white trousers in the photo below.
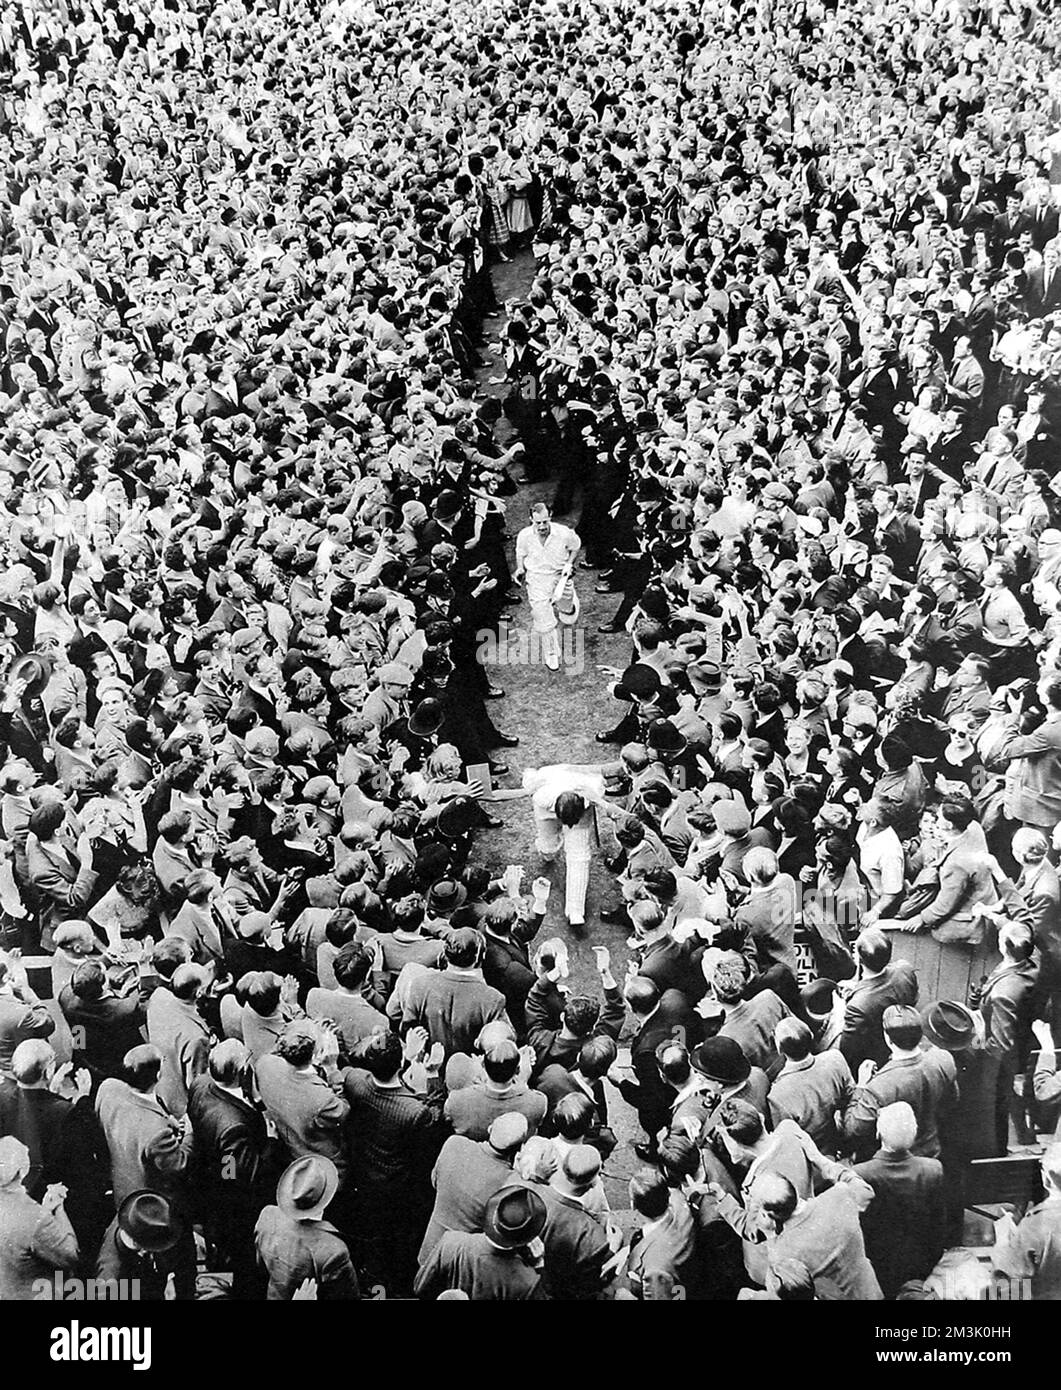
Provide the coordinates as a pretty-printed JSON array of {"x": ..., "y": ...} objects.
[
  {"x": 577, "y": 843},
  {"x": 540, "y": 590}
]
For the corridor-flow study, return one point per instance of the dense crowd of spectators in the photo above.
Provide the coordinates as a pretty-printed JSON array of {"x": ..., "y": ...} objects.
[{"x": 792, "y": 354}]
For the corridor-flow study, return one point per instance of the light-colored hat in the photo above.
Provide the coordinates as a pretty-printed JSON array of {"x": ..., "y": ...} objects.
[{"x": 307, "y": 1187}]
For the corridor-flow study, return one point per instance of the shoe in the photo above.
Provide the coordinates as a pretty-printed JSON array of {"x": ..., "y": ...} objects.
[
  {"x": 648, "y": 1153},
  {"x": 513, "y": 596},
  {"x": 494, "y": 692},
  {"x": 605, "y": 589},
  {"x": 605, "y": 736},
  {"x": 492, "y": 822},
  {"x": 506, "y": 740},
  {"x": 498, "y": 769},
  {"x": 615, "y": 916},
  {"x": 610, "y": 627},
  {"x": 552, "y": 663}
]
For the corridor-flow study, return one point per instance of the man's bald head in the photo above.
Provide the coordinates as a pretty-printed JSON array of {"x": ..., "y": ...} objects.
[
  {"x": 507, "y": 1133},
  {"x": 580, "y": 1168},
  {"x": 776, "y": 1197}
]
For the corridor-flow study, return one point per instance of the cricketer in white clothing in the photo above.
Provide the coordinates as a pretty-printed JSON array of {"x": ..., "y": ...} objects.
[
  {"x": 565, "y": 798},
  {"x": 545, "y": 555}
]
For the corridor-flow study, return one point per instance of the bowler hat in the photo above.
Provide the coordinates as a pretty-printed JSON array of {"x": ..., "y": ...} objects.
[
  {"x": 722, "y": 1060},
  {"x": 514, "y": 1217},
  {"x": 148, "y": 1220},
  {"x": 817, "y": 998}
]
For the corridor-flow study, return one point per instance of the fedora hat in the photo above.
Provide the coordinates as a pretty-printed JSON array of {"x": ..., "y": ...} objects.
[
  {"x": 35, "y": 668},
  {"x": 568, "y": 616},
  {"x": 447, "y": 895},
  {"x": 514, "y": 1217},
  {"x": 705, "y": 677},
  {"x": 148, "y": 1220},
  {"x": 949, "y": 1025},
  {"x": 307, "y": 1186},
  {"x": 722, "y": 1060}
]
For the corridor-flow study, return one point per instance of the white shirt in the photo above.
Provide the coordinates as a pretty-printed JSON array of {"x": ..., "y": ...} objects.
[
  {"x": 545, "y": 559},
  {"x": 882, "y": 860}
]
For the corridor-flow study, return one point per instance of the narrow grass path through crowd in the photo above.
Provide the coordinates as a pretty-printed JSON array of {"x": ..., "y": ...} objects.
[{"x": 555, "y": 715}]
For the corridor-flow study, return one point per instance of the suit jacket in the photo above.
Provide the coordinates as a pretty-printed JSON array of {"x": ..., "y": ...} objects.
[
  {"x": 107, "y": 1028},
  {"x": 649, "y": 1094},
  {"x": 19, "y": 1022},
  {"x": 180, "y": 1033},
  {"x": 659, "y": 1252},
  {"x": 825, "y": 1235},
  {"x": 35, "y": 1244},
  {"x": 978, "y": 1124},
  {"x": 863, "y": 1032},
  {"x": 543, "y": 1009},
  {"x": 465, "y": 1177},
  {"x": 147, "y": 1146},
  {"x": 751, "y": 1022},
  {"x": 669, "y": 965},
  {"x": 1040, "y": 298},
  {"x": 473, "y": 1109},
  {"x": 172, "y": 863},
  {"x": 1040, "y": 891},
  {"x": 965, "y": 881},
  {"x": 576, "y": 1247},
  {"x": 65, "y": 884},
  {"x": 904, "y": 1225},
  {"x": 928, "y": 1084},
  {"x": 1034, "y": 796},
  {"x": 699, "y": 1118},
  {"x": 196, "y": 923},
  {"x": 309, "y": 1116},
  {"x": 1008, "y": 1004},
  {"x": 454, "y": 1006},
  {"x": 54, "y": 1131},
  {"x": 292, "y": 1251},
  {"x": 770, "y": 919},
  {"x": 467, "y": 1261},
  {"x": 506, "y": 967},
  {"x": 811, "y": 1092},
  {"x": 1042, "y": 223},
  {"x": 238, "y": 1161},
  {"x": 354, "y": 1015}
]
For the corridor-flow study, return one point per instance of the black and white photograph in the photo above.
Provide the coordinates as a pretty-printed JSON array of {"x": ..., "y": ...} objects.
[{"x": 530, "y": 665}]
